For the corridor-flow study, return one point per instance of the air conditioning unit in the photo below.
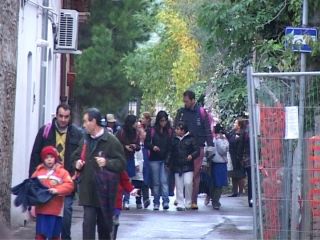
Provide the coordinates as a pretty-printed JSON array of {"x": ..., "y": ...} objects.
[{"x": 67, "y": 39}]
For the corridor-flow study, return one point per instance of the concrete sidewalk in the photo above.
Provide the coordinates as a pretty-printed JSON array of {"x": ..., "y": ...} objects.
[{"x": 233, "y": 221}]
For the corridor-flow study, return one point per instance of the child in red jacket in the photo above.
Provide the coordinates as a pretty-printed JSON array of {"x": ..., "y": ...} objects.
[
  {"x": 57, "y": 179},
  {"x": 124, "y": 186}
]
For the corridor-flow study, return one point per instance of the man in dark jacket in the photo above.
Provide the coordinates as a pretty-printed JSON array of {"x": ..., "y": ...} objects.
[
  {"x": 197, "y": 120},
  {"x": 65, "y": 137},
  {"x": 102, "y": 151}
]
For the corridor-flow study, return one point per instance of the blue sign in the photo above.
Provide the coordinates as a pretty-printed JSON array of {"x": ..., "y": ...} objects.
[{"x": 298, "y": 38}]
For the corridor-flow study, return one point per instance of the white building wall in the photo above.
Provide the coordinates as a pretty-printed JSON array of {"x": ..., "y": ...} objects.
[{"x": 28, "y": 90}]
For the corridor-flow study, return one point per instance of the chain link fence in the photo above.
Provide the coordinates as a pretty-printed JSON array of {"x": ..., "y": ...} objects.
[{"x": 285, "y": 148}]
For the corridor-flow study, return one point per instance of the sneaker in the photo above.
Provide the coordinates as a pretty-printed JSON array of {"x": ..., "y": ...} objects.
[
  {"x": 146, "y": 203},
  {"x": 175, "y": 202},
  {"x": 165, "y": 206},
  {"x": 139, "y": 206},
  {"x": 180, "y": 209},
  {"x": 194, "y": 206},
  {"x": 156, "y": 208},
  {"x": 126, "y": 206},
  {"x": 234, "y": 195},
  {"x": 216, "y": 206}
]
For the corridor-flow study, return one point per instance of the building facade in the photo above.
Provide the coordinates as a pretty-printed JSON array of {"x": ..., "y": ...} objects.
[{"x": 37, "y": 85}]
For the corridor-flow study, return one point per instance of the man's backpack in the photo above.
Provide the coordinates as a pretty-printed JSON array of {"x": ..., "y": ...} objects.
[
  {"x": 202, "y": 112},
  {"x": 46, "y": 130}
]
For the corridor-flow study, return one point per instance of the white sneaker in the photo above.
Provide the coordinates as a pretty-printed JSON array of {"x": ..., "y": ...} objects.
[{"x": 126, "y": 206}]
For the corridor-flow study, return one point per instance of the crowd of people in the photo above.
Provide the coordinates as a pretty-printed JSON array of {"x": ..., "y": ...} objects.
[{"x": 107, "y": 163}]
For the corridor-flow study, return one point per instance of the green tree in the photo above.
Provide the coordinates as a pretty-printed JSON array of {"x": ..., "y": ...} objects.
[
  {"x": 164, "y": 68},
  {"x": 114, "y": 31},
  {"x": 97, "y": 73}
]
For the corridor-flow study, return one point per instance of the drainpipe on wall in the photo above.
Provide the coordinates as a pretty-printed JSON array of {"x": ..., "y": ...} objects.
[{"x": 43, "y": 67}]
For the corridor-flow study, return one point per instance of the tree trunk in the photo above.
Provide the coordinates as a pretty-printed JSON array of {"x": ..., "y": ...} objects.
[{"x": 8, "y": 66}]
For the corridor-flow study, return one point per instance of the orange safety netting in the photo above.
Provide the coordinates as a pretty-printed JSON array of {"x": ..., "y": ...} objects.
[
  {"x": 314, "y": 175},
  {"x": 272, "y": 128}
]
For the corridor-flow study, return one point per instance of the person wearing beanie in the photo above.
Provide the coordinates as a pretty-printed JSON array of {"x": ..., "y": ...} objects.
[
  {"x": 65, "y": 137},
  {"x": 52, "y": 175}
]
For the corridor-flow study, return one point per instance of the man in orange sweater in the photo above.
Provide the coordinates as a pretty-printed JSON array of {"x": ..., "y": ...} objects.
[{"x": 57, "y": 179}]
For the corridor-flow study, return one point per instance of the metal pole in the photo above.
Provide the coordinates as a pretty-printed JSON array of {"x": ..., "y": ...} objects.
[
  {"x": 252, "y": 159},
  {"x": 43, "y": 67},
  {"x": 254, "y": 156},
  {"x": 297, "y": 162},
  {"x": 287, "y": 176}
]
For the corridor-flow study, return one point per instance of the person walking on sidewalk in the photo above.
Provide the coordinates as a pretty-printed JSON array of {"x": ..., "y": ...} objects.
[
  {"x": 52, "y": 175},
  {"x": 158, "y": 141},
  {"x": 198, "y": 122},
  {"x": 236, "y": 140},
  {"x": 65, "y": 137},
  {"x": 219, "y": 172},
  {"x": 180, "y": 160},
  {"x": 124, "y": 186},
  {"x": 103, "y": 153},
  {"x": 129, "y": 138},
  {"x": 138, "y": 179}
]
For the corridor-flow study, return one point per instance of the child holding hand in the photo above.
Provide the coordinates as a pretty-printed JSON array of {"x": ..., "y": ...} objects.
[{"x": 57, "y": 179}]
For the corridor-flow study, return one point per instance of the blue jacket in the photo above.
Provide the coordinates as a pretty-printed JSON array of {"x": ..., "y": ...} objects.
[
  {"x": 31, "y": 193},
  {"x": 198, "y": 124}
]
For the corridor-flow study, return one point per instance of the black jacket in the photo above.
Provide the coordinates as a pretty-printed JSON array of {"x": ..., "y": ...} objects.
[
  {"x": 236, "y": 148},
  {"x": 162, "y": 140},
  {"x": 199, "y": 126},
  {"x": 31, "y": 193},
  {"x": 74, "y": 136},
  {"x": 180, "y": 149}
]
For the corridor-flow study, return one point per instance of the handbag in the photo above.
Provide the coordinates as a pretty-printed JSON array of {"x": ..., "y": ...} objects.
[{"x": 229, "y": 162}]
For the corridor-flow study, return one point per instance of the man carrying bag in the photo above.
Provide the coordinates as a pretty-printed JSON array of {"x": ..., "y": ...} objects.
[{"x": 99, "y": 160}]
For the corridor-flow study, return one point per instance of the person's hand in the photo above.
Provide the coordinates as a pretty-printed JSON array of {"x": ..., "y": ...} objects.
[
  {"x": 189, "y": 158},
  {"x": 156, "y": 149},
  {"x": 134, "y": 192},
  {"x": 102, "y": 162},
  {"x": 53, "y": 190},
  {"x": 133, "y": 146},
  {"x": 79, "y": 164},
  {"x": 129, "y": 148}
]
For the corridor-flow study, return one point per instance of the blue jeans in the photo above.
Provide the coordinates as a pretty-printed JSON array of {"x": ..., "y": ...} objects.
[
  {"x": 67, "y": 217},
  {"x": 160, "y": 182}
]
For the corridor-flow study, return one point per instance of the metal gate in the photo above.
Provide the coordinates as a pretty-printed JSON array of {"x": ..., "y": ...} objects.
[{"x": 285, "y": 153}]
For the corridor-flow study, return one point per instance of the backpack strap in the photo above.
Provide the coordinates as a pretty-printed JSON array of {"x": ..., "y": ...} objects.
[
  {"x": 46, "y": 130},
  {"x": 152, "y": 132},
  {"x": 203, "y": 113}
]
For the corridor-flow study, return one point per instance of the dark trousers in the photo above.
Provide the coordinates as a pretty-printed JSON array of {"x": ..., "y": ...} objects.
[
  {"x": 92, "y": 217},
  {"x": 248, "y": 170},
  {"x": 143, "y": 191},
  {"x": 67, "y": 218}
]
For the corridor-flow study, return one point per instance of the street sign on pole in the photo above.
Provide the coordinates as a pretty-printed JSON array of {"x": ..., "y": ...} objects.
[{"x": 298, "y": 38}]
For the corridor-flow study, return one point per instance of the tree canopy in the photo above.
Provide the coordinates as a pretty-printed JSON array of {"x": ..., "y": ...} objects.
[{"x": 114, "y": 31}]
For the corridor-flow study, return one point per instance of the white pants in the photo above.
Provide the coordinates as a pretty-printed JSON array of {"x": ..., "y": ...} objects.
[{"x": 184, "y": 182}]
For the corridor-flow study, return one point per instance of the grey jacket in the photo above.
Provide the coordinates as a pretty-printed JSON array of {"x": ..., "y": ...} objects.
[{"x": 222, "y": 148}]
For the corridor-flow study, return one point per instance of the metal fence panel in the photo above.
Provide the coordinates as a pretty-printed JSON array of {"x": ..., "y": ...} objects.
[{"x": 285, "y": 169}]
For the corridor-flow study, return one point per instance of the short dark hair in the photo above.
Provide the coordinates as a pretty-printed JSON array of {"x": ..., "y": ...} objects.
[
  {"x": 94, "y": 113},
  {"x": 218, "y": 128},
  {"x": 190, "y": 94},
  {"x": 183, "y": 126},
  {"x": 63, "y": 106}
]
